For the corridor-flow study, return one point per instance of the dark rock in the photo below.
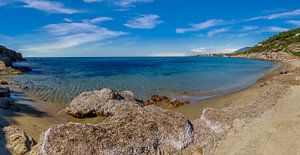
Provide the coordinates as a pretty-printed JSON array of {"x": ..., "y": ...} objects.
[{"x": 4, "y": 83}]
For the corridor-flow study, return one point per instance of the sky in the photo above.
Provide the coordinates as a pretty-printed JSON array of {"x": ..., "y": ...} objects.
[{"x": 96, "y": 28}]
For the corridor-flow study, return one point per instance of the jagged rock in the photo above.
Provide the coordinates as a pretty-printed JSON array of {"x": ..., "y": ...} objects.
[
  {"x": 17, "y": 141},
  {"x": 100, "y": 102},
  {"x": 7, "y": 57},
  {"x": 11, "y": 54},
  {"x": 4, "y": 92},
  {"x": 133, "y": 130}
]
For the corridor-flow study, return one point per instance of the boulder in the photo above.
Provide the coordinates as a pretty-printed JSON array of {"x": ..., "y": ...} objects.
[
  {"x": 100, "y": 103},
  {"x": 17, "y": 140},
  {"x": 133, "y": 130}
]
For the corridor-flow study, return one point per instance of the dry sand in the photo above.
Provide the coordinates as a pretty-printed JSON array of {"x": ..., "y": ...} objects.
[{"x": 275, "y": 132}]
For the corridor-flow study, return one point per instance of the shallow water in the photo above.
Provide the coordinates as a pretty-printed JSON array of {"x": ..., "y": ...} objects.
[{"x": 61, "y": 79}]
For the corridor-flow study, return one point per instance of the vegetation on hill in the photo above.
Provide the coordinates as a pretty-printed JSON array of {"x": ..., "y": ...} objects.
[{"x": 288, "y": 41}]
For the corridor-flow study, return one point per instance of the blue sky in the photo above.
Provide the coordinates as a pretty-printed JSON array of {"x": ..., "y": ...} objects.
[{"x": 141, "y": 27}]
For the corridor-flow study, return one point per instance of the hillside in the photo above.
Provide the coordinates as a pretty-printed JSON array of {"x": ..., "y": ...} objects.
[{"x": 288, "y": 41}]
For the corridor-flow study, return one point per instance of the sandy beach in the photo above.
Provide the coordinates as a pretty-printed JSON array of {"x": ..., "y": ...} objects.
[
  {"x": 35, "y": 116},
  {"x": 275, "y": 132}
]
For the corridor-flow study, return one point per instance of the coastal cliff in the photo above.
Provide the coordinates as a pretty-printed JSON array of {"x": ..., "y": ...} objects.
[{"x": 7, "y": 57}]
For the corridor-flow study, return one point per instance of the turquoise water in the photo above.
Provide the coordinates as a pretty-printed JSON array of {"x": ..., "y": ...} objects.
[{"x": 61, "y": 79}]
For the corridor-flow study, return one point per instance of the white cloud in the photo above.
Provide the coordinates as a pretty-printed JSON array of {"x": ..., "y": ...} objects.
[
  {"x": 249, "y": 28},
  {"x": 208, "y": 50},
  {"x": 201, "y": 26},
  {"x": 286, "y": 14},
  {"x": 92, "y": 1},
  {"x": 48, "y": 6},
  {"x": 217, "y": 31},
  {"x": 68, "y": 20},
  {"x": 294, "y": 22},
  {"x": 273, "y": 29},
  {"x": 170, "y": 54},
  {"x": 3, "y": 2},
  {"x": 69, "y": 28},
  {"x": 98, "y": 19},
  {"x": 128, "y": 3},
  {"x": 148, "y": 21},
  {"x": 125, "y": 4},
  {"x": 67, "y": 35}
]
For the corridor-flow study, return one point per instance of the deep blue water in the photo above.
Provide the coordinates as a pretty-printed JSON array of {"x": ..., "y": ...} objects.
[{"x": 61, "y": 79}]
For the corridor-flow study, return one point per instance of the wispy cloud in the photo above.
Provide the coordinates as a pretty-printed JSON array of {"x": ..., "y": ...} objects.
[
  {"x": 124, "y": 4},
  {"x": 92, "y": 1},
  {"x": 42, "y": 5},
  {"x": 285, "y": 14},
  {"x": 68, "y": 20},
  {"x": 217, "y": 31},
  {"x": 128, "y": 3},
  {"x": 249, "y": 28},
  {"x": 208, "y": 50},
  {"x": 148, "y": 21},
  {"x": 66, "y": 35},
  {"x": 273, "y": 29},
  {"x": 98, "y": 20},
  {"x": 294, "y": 22},
  {"x": 201, "y": 26},
  {"x": 2, "y": 2}
]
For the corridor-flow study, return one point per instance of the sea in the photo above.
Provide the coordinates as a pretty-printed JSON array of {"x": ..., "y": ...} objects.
[{"x": 60, "y": 79}]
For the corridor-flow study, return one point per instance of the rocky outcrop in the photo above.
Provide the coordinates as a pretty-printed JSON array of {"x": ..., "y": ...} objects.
[
  {"x": 271, "y": 56},
  {"x": 100, "y": 103},
  {"x": 130, "y": 129},
  {"x": 139, "y": 131},
  {"x": 165, "y": 102},
  {"x": 17, "y": 141},
  {"x": 8, "y": 56}
]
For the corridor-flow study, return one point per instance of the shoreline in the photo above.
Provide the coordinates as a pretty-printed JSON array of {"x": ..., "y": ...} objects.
[
  {"x": 234, "y": 98},
  {"x": 53, "y": 112}
]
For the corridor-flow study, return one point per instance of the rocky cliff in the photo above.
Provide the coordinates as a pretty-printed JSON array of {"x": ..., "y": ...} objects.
[{"x": 7, "y": 57}]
